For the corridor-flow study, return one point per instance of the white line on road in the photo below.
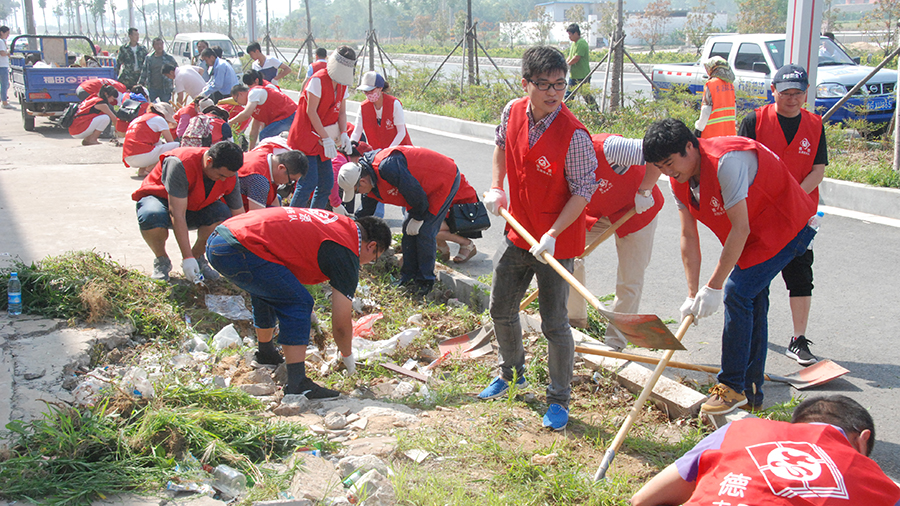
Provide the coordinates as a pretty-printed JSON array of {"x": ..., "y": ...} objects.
[
  {"x": 450, "y": 134},
  {"x": 856, "y": 215}
]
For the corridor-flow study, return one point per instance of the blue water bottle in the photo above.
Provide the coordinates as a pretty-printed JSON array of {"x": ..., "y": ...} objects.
[{"x": 14, "y": 295}]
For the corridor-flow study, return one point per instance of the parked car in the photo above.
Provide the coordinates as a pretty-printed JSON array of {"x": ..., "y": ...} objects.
[
  {"x": 755, "y": 58},
  {"x": 184, "y": 49}
]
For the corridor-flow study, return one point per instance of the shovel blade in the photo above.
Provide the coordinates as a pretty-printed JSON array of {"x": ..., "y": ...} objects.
[
  {"x": 817, "y": 374},
  {"x": 644, "y": 330},
  {"x": 467, "y": 346}
]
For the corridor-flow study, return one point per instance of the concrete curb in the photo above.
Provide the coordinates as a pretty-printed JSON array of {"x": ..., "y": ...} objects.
[{"x": 860, "y": 197}]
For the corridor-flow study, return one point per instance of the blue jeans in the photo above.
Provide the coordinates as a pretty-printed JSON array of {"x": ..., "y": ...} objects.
[
  {"x": 419, "y": 250},
  {"x": 512, "y": 275},
  {"x": 276, "y": 127},
  {"x": 319, "y": 178},
  {"x": 4, "y": 84},
  {"x": 153, "y": 212},
  {"x": 275, "y": 293},
  {"x": 745, "y": 337}
]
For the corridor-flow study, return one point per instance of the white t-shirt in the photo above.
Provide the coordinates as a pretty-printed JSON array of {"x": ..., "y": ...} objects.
[
  {"x": 258, "y": 95},
  {"x": 137, "y": 64},
  {"x": 158, "y": 124},
  {"x": 314, "y": 87},
  {"x": 189, "y": 81},
  {"x": 4, "y": 60},
  {"x": 269, "y": 68}
]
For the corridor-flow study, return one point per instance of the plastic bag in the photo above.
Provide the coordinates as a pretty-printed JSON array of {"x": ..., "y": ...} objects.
[
  {"x": 137, "y": 381},
  {"x": 226, "y": 338},
  {"x": 363, "y": 326},
  {"x": 232, "y": 307},
  {"x": 366, "y": 349}
]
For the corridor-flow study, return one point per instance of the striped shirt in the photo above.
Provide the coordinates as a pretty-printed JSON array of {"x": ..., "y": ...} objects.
[
  {"x": 622, "y": 153},
  {"x": 581, "y": 161}
]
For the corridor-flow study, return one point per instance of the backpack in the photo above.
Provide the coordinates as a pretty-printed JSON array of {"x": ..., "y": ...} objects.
[
  {"x": 129, "y": 110},
  {"x": 198, "y": 132},
  {"x": 68, "y": 116}
]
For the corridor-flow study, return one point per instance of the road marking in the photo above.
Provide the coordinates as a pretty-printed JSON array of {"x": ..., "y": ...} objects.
[
  {"x": 856, "y": 215},
  {"x": 450, "y": 134}
]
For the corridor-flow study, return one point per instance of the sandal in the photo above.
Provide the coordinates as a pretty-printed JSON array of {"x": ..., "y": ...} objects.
[{"x": 466, "y": 252}]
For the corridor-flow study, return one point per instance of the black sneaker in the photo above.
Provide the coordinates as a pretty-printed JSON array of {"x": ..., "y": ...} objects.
[
  {"x": 311, "y": 390},
  {"x": 268, "y": 358},
  {"x": 799, "y": 351}
]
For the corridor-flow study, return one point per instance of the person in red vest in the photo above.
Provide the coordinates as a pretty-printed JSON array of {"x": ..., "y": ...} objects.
[
  {"x": 791, "y": 131},
  {"x": 272, "y": 253},
  {"x": 272, "y": 111},
  {"x": 184, "y": 115},
  {"x": 422, "y": 181},
  {"x": 93, "y": 115},
  {"x": 265, "y": 168},
  {"x": 624, "y": 183},
  {"x": 820, "y": 458},
  {"x": 92, "y": 87},
  {"x": 550, "y": 163},
  {"x": 207, "y": 128},
  {"x": 746, "y": 196},
  {"x": 134, "y": 101},
  {"x": 465, "y": 195},
  {"x": 189, "y": 189},
  {"x": 142, "y": 145},
  {"x": 320, "y": 127},
  {"x": 717, "y": 112},
  {"x": 320, "y": 63}
]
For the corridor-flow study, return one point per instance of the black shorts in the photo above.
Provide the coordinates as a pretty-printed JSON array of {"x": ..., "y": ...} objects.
[{"x": 798, "y": 276}]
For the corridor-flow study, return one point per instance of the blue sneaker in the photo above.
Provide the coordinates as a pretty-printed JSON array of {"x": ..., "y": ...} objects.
[
  {"x": 557, "y": 417},
  {"x": 499, "y": 387}
]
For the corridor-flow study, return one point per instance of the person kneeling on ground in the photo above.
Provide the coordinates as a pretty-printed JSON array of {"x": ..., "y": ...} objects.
[
  {"x": 189, "y": 189},
  {"x": 93, "y": 116},
  {"x": 272, "y": 253},
  {"x": 820, "y": 458},
  {"x": 265, "y": 168},
  {"x": 142, "y": 145}
]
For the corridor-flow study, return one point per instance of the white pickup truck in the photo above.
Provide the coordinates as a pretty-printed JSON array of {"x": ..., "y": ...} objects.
[{"x": 755, "y": 58}]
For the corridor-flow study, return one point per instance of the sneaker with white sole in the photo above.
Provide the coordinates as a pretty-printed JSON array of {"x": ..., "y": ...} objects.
[
  {"x": 799, "y": 351},
  {"x": 499, "y": 387},
  {"x": 162, "y": 266},
  {"x": 722, "y": 400},
  {"x": 209, "y": 274},
  {"x": 556, "y": 418}
]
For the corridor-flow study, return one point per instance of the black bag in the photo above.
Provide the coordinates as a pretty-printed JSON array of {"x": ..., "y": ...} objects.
[
  {"x": 68, "y": 117},
  {"x": 469, "y": 219},
  {"x": 129, "y": 110}
]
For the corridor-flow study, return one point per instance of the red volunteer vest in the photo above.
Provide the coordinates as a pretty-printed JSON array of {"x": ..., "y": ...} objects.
[
  {"x": 722, "y": 119},
  {"x": 615, "y": 195},
  {"x": 777, "y": 207},
  {"x": 538, "y": 190},
  {"x": 782, "y": 464},
  {"x": 380, "y": 136},
  {"x": 798, "y": 156},
  {"x": 302, "y": 136},
  {"x": 257, "y": 162},
  {"x": 139, "y": 138},
  {"x": 93, "y": 86},
  {"x": 466, "y": 194},
  {"x": 190, "y": 110},
  {"x": 192, "y": 159},
  {"x": 319, "y": 65},
  {"x": 217, "y": 123},
  {"x": 277, "y": 107},
  {"x": 85, "y": 114},
  {"x": 434, "y": 172},
  {"x": 291, "y": 237}
]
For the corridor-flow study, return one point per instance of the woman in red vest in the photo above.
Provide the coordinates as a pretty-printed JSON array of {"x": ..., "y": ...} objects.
[
  {"x": 93, "y": 116},
  {"x": 320, "y": 125},
  {"x": 380, "y": 116},
  {"x": 135, "y": 100},
  {"x": 717, "y": 112},
  {"x": 142, "y": 145}
]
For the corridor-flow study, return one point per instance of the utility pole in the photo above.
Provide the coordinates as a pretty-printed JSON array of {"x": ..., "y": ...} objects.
[
  {"x": 618, "y": 56},
  {"x": 371, "y": 40},
  {"x": 470, "y": 42},
  {"x": 251, "y": 21},
  {"x": 29, "y": 18},
  {"x": 130, "y": 15},
  {"x": 309, "y": 40}
]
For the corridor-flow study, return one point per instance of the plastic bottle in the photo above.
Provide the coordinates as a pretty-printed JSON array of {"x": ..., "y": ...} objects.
[
  {"x": 814, "y": 223},
  {"x": 350, "y": 480},
  {"x": 228, "y": 480},
  {"x": 14, "y": 293}
]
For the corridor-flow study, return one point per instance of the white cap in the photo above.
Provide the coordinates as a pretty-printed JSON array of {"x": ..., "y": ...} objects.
[{"x": 347, "y": 178}]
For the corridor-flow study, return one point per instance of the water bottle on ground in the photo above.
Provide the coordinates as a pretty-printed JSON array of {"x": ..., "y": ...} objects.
[
  {"x": 229, "y": 480},
  {"x": 814, "y": 223},
  {"x": 14, "y": 295}
]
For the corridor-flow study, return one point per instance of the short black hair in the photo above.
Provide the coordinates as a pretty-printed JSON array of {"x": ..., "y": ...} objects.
[
  {"x": 347, "y": 52},
  {"x": 840, "y": 411},
  {"x": 539, "y": 60},
  {"x": 238, "y": 88},
  {"x": 227, "y": 154},
  {"x": 202, "y": 42},
  {"x": 137, "y": 88},
  {"x": 106, "y": 91},
  {"x": 375, "y": 229},
  {"x": 666, "y": 137},
  {"x": 207, "y": 53},
  {"x": 168, "y": 67},
  {"x": 158, "y": 39},
  {"x": 132, "y": 30},
  {"x": 4, "y": 29},
  {"x": 294, "y": 161},
  {"x": 321, "y": 52},
  {"x": 254, "y": 46},
  {"x": 252, "y": 78},
  {"x": 573, "y": 28},
  {"x": 217, "y": 50},
  {"x": 218, "y": 112}
]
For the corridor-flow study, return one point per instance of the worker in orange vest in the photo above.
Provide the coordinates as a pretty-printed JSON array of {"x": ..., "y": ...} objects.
[{"x": 717, "y": 116}]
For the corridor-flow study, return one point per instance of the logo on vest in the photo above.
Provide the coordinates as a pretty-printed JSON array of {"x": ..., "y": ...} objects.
[
  {"x": 603, "y": 186},
  {"x": 805, "y": 147},
  {"x": 543, "y": 166},
  {"x": 323, "y": 216},
  {"x": 716, "y": 206},
  {"x": 393, "y": 192},
  {"x": 388, "y": 124},
  {"x": 798, "y": 469}
]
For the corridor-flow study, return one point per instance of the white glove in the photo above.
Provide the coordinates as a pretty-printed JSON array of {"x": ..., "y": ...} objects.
[
  {"x": 341, "y": 210},
  {"x": 275, "y": 82},
  {"x": 686, "y": 308},
  {"x": 329, "y": 147},
  {"x": 412, "y": 228},
  {"x": 494, "y": 199},
  {"x": 349, "y": 363},
  {"x": 642, "y": 203},
  {"x": 191, "y": 269},
  {"x": 346, "y": 145},
  {"x": 707, "y": 302},
  {"x": 548, "y": 244}
]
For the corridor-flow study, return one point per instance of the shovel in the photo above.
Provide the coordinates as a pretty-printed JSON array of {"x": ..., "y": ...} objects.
[{"x": 486, "y": 337}]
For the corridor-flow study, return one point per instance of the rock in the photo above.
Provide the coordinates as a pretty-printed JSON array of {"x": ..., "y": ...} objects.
[
  {"x": 383, "y": 389},
  {"x": 398, "y": 416},
  {"x": 428, "y": 354},
  {"x": 315, "y": 479},
  {"x": 280, "y": 374},
  {"x": 403, "y": 389},
  {"x": 359, "y": 424},
  {"x": 259, "y": 376},
  {"x": 335, "y": 421},
  {"x": 35, "y": 375},
  {"x": 382, "y": 446},
  {"x": 259, "y": 389},
  {"x": 375, "y": 488},
  {"x": 362, "y": 392},
  {"x": 219, "y": 382},
  {"x": 348, "y": 465},
  {"x": 292, "y": 405}
]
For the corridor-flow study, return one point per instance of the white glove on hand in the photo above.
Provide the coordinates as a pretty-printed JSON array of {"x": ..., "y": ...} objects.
[
  {"x": 707, "y": 302},
  {"x": 341, "y": 210},
  {"x": 686, "y": 309},
  {"x": 349, "y": 363},
  {"x": 412, "y": 228},
  {"x": 329, "y": 147},
  {"x": 191, "y": 269},
  {"x": 642, "y": 203},
  {"x": 346, "y": 145},
  {"x": 494, "y": 199},
  {"x": 548, "y": 244}
]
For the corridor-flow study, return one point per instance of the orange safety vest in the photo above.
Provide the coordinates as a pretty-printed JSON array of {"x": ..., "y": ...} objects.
[{"x": 722, "y": 120}]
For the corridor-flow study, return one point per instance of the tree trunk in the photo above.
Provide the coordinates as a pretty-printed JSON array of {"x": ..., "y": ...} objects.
[
  {"x": 144, "y": 15},
  {"x": 175, "y": 16},
  {"x": 230, "y": 15},
  {"x": 78, "y": 16},
  {"x": 158, "y": 20}
]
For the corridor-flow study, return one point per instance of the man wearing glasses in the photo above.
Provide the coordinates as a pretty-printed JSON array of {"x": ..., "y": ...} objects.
[
  {"x": 265, "y": 168},
  {"x": 550, "y": 160},
  {"x": 272, "y": 253},
  {"x": 797, "y": 136}
]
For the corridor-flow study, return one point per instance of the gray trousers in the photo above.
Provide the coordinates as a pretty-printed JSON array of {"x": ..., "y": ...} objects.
[{"x": 512, "y": 276}]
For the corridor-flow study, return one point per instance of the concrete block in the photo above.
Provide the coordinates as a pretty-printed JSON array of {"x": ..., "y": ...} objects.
[
  {"x": 316, "y": 478},
  {"x": 860, "y": 197},
  {"x": 475, "y": 294}
]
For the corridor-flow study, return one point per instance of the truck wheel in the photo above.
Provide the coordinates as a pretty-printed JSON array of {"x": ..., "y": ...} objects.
[{"x": 27, "y": 120}]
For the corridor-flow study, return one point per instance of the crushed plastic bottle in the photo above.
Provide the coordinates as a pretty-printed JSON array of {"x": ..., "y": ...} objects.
[{"x": 227, "y": 480}]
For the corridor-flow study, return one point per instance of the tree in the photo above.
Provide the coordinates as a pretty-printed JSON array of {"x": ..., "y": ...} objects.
[
  {"x": 513, "y": 26},
  {"x": 651, "y": 24},
  {"x": 544, "y": 24},
  {"x": 440, "y": 27},
  {"x": 576, "y": 15},
  {"x": 58, "y": 12},
  {"x": 337, "y": 27},
  {"x": 699, "y": 24},
  {"x": 421, "y": 26},
  {"x": 829, "y": 17},
  {"x": 199, "y": 5},
  {"x": 43, "y": 5},
  {"x": 761, "y": 16},
  {"x": 879, "y": 24},
  {"x": 606, "y": 19}
]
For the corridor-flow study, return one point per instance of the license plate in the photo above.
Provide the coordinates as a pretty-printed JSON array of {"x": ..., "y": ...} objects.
[{"x": 880, "y": 103}]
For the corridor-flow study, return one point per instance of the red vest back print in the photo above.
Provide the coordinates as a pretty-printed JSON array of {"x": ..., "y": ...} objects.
[
  {"x": 538, "y": 189},
  {"x": 302, "y": 136},
  {"x": 192, "y": 159},
  {"x": 799, "y": 155},
  {"x": 615, "y": 195},
  {"x": 291, "y": 237},
  {"x": 434, "y": 172},
  {"x": 380, "y": 136},
  {"x": 777, "y": 207},
  {"x": 762, "y": 462},
  {"x": 277, "y": 107}
]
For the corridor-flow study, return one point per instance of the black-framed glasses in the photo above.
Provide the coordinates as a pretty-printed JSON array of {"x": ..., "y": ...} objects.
[{"x": 544, "y": 86}]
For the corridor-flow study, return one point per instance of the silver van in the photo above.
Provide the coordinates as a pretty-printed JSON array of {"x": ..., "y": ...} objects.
[{"x": 184, "y": 49}]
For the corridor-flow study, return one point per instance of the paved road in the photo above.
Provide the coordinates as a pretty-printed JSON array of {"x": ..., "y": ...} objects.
[{"x": 56, "y": 195}]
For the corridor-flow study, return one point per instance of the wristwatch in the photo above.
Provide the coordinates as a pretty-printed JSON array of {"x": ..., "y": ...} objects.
[{"x": 645, "y": 193}]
